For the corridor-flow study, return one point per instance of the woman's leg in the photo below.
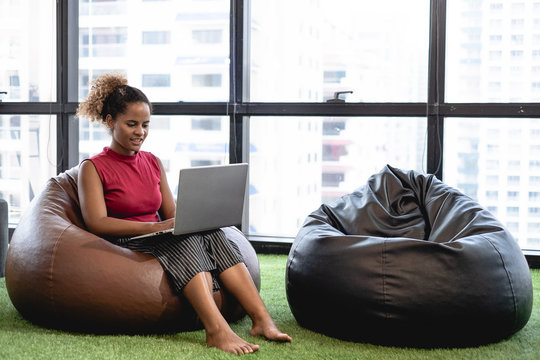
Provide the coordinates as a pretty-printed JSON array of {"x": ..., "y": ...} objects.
[
  {"x": 218, "y": 332},
  {"x": 238, "y": 282}
]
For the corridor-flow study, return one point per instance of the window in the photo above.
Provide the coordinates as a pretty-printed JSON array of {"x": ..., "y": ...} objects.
[
  {"x": 207, "y": 124},
  {"x": 156, "y": 80},
  {"x": 109, "y": 41},
  {"x": 534, "y": 211},
  {"x": 27, "y": 142},
  {"x": 292, "y": 180},
  {"x": 156, "y": 37},
  {"x": 161, "y": 54},
  {"x": 207, "y": 36},
  {"x": 513, "y": 226},
  {"x": 505, "y": 45},
  {"x": 392, "y": 67},
  {"x": 488, "y": 180},
  {"x": 492, "y": 195},
  {"x": 534, "y": 180},
  {"x": 333, "y": 152},
  {"x": 27, "y": 51},
  {"x": 514, "y": 196},
  {"x": 334, "y": 76},
  {"x": 492, "y": 180},
  {"x": 516, "y": 39},
  {"x": 513, "y": 180},
  {"x": 206, "y": 80},
  {"x": 333, "y": 127},
  {"x": 533, "y": 227}
]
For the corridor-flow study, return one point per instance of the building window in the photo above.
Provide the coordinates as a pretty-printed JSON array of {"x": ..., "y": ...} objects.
[
  {"x": 208, "y": 124},
  {"x": 334, "y": 76},
  {"x": 534, "y": 211},
  {"x": 156, "y": 37},
  {"x": 207, "y": 36},
  {"x": 513, "y": 226},
  {"x": 517, "y": 23},
  {"x": 533, "y": 227},
  {"x": 332, "y": 179},
  {"x": 156, "y": 80},
  {"x": 333, "y": 152},
  {"x": 516, "y": 39},
  {"x": 512, "y": 210},
  {"x": 492, "y": 180},
  {"x": 534, "y": 196},
  {"x": 206, "y": 80},
  {"x": 517, "y": 53},
  {"x": 205, "y": 162},
  {"x": 492, "y": 195},
  {"x": 534, "y": 180},
  {"x": 534, "y": 164},
  {"x": 513, "y": 180},
  {"x": 333, "y": 127},
  {"x": 160, "y": 123},
  {"x": 109, "y": 41},
  {"x": 514, "y": 195}
]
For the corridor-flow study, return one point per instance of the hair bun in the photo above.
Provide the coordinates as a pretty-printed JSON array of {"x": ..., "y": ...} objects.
[{"x": 100, "y": 88}]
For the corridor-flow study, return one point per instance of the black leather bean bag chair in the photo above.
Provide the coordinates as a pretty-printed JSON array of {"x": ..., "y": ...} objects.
[
  {"x": 59, "y": 275},
  {"x": 407, "y": 260}
]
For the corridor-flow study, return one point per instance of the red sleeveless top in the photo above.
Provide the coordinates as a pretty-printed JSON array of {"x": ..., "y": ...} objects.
[{"x": 130, "y": 184}]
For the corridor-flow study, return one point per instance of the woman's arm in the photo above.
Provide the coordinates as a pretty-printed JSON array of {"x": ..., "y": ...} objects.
[
  {"x": 168, "y": 205},
  {"x": 94, "y": 210}
]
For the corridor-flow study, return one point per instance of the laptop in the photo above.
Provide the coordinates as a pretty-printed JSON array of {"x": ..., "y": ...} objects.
[{"x": 209, "y": 197}]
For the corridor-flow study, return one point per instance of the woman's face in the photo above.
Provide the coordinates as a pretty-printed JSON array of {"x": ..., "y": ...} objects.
[{"x": 130, "y": 128}]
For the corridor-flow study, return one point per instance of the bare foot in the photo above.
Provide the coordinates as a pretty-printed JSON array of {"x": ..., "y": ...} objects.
[
  {"x": 228, "y": 341},
  {"x": 269, "y": 330}
]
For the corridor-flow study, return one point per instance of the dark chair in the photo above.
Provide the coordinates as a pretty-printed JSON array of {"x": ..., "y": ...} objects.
[
  {"x": 59, "y": 275},
  {"x": 407, "y": 260},
  {"x": 4, "y": 236}
]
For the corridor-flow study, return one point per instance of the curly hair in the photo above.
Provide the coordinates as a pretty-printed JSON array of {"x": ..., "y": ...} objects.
[{"x": 109, "y": 95}]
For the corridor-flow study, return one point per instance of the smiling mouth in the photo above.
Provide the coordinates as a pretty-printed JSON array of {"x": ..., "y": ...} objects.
[{"x": 137, "y": 141}]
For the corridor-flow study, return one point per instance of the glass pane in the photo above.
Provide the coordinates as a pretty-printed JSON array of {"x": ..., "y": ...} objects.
[
  {"x": 493, "y": 51},
  {"x": 178, "y": 141},
  {"x": 180, "y": 52},
  {"x": 28, "y": 50},
  {"x": 290, "y": 178},
  {"x": 305, "y": 51},
  {"x": 497, "y": 163},
  {"x": 27, "y": 159}
]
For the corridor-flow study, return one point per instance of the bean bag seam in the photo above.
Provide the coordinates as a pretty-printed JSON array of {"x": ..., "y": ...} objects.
[
  {"x": 51, "y": 270},
  {"x": 383, "y": 273},
  {"x": 507, "y": 275}
]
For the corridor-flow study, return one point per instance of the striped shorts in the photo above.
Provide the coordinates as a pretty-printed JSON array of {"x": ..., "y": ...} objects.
[{"x": 184, "y": 256}]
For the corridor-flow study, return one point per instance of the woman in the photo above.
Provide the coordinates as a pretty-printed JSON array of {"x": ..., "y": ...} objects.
[{"x": 123, "y": 189}]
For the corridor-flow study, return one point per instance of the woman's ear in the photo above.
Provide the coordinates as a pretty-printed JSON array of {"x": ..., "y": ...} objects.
[{"x": 110, "y": 122}]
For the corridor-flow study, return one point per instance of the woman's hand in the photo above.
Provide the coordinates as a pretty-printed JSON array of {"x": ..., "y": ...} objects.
[{"x": 165, "y": 224}]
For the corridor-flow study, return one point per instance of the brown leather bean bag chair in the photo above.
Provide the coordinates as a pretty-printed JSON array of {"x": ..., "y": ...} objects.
[{"x": 59, "y": 275}]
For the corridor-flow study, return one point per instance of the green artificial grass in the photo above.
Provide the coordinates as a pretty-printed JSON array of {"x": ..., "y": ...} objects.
[{"x": 20, "y": 339}]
